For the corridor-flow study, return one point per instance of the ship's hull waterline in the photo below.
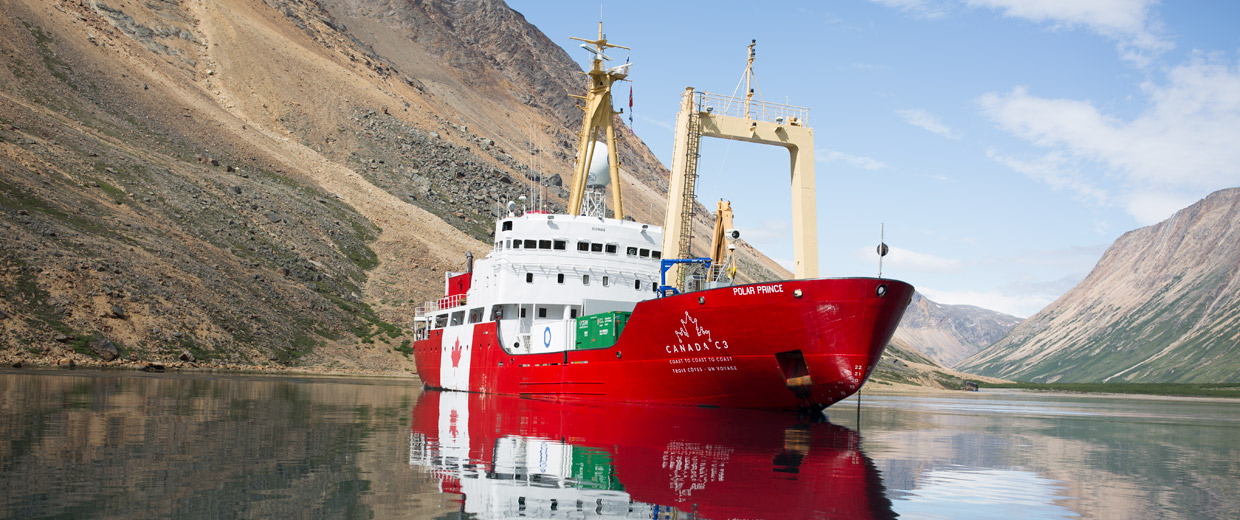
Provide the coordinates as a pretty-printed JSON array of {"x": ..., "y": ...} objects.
[{"x": 785, "y": 345}]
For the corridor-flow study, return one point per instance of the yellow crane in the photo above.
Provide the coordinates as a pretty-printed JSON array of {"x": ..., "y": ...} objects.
[
  {"x": 742, "y": 119},
  {"x": 723, "y": 264}
]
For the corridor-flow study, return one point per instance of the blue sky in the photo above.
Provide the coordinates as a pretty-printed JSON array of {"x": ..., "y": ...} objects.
[{"x": 1003, "y": 144}]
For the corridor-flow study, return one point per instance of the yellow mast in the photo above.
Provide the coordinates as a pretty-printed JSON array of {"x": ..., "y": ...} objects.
[{"x": 598, "y": 116}]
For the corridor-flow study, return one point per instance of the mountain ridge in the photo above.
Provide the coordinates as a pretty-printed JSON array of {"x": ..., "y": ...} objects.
[{"x": 1161, "y": 305}]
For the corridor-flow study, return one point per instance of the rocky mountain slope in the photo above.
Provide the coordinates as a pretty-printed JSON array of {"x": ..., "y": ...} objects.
[
  {"x": 948, "y": 334},
  {"x": 902, "y": 365},
  {"x": 267, "y": 183},
  {"x": 1162, "y": 305}
]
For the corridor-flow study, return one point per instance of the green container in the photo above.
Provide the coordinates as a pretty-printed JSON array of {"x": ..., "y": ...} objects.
[{"x": 600, "y": 330}]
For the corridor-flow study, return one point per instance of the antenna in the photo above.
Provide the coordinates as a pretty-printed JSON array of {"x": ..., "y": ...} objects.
[{"x": 882, "y": 250}]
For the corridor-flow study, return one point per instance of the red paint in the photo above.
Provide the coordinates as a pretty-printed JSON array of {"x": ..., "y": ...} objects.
[
  {"x": 721, "y": 352},
  {"x": 717, "y": 463}
]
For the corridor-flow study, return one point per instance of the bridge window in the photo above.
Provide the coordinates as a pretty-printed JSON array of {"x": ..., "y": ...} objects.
[
  {"x": 475, "y": 315},
  {"x": 441, "y": 320},
  {"x": 560, "y": 245},
  {"x": 544, "y": 244},
  {"x": 596, "y": 248},
  {"x": 542, "y": 312},
  {"x": 583, "y": 246},
  {"x": 656, "y": 255},
  {"x": 611, "y": 248},
  {"x": 632, "y": 251},
  {"x": 531, "y": 244},
  {"x": 506, "y": 226},
  {"x": 458, "y": 318},
  {"x": 644, "y": 253},
  {"x": 516, "y": 244}
]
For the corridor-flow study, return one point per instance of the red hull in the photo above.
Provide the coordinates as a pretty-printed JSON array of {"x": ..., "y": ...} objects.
[{"x": 791, "y": 344}]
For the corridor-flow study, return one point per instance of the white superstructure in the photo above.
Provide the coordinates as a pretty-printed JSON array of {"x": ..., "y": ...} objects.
[{"x": 544, "y": 271}]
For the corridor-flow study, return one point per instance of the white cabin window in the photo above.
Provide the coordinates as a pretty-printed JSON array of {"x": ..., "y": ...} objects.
[
  {"x": 542, "y": 312},
  {"x": 529, "y": 277},
  {"x": 604, "y": 281},
  {"x": 585, "y": 279},
  {"x": 475, "y": 315},
  {"x": 637, "y": 284},
  {"x": 559, "y": 278},
  {"x": 458, "y": 318}
]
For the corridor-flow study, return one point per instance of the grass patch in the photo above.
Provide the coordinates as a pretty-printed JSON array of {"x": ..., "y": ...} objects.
[
  {"x": 1169, "y": 389},
  {"x": 404, "y": 348}
]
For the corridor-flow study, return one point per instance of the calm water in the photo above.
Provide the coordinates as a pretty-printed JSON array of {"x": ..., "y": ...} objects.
[{"x": 91, "y": 444}]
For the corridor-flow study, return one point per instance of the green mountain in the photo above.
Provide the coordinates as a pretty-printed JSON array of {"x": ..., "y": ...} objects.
[{"x": 1162, "y": 305}]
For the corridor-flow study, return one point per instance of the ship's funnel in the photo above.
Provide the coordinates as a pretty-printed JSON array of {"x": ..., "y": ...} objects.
[{"x": 599, "y": 175}]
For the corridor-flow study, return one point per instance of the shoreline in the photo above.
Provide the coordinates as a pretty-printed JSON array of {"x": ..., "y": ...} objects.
[{"x": 185, "y": 367}]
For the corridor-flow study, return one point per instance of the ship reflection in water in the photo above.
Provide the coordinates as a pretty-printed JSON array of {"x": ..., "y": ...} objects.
[{"x": 513, "y": 457}]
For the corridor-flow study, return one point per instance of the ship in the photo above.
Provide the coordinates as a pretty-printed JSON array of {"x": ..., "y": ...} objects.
[
  {"x": 590, "y": 305},
  {"x": 509, "y": 457}
]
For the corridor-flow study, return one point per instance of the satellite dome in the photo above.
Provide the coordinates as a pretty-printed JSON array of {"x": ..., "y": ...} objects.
[{"x": 599, "y": 174}]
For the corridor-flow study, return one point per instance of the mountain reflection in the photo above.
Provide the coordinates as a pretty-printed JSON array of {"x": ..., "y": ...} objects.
[{"x": 513, "y": 457}]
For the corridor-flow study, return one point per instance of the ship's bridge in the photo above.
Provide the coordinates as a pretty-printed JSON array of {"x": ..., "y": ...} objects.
[
  {"x": 547, "y": 268},
  {"x": 574, "y": 261}
]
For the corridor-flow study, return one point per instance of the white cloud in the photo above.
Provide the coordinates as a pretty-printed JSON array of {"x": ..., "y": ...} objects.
[
  {"x": 1019, "y": 305},
  {"x": 1181, "y": 147},
  {"x": 865, "y": 163},
  {"x": 905, "y": 260},
  {"x": 927, "y": 122},
  {"x": 1129, "y": 22},
  {"x": 922, "y": 8},
  {"x": 1054, "y": 170}
]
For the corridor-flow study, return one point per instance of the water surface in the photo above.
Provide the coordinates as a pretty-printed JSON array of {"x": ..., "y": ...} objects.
[{"x": 113, "y": 444}]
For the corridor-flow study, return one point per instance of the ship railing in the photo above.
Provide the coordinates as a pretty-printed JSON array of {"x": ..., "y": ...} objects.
[
  {"x": 778, "y": 113},
  {"x": 446, "y": 302}
]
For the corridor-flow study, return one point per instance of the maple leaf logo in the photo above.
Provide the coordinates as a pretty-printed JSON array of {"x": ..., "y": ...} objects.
[
  {"x": 456, "y": 353},
  {"x": 689, "y": 328}
]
